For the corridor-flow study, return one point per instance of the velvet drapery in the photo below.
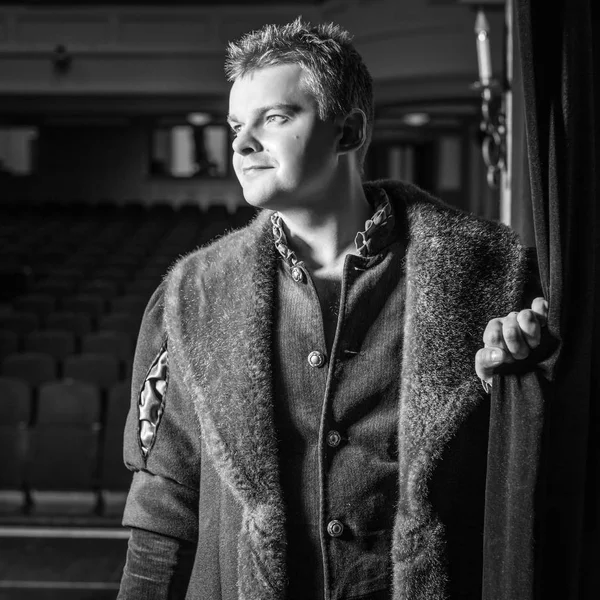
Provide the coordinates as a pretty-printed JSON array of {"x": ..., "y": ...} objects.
[{"x": 542, "y": 524}]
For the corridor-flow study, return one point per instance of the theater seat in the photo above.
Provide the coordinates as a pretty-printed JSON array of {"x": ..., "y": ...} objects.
[
  {"x": 64, "y": 448},
  {"x": 57, "y": 287},
  {"x": 9, "y": 343},
  {"x": 130, "y": 304},
  {"x": 104, "y": 288},
  {"x": 124, "y": 322},
  {"x": 65, "y": 272},
  {"x": 90, "y": 304},
  {"x": 15, "y": 403},
  {"x": 55, "y": 342},
  {"x": 18, "y": 321},
  {"x": 118, "y": 274},
  {"x": 35, "y": 368},
  {"x": 39, "y": 304},
  {"x": 101, "y": 370},
  {"x": 77, "y": 323},
  {"x": 115, "y": 479},
  {"x": 143, "y": 285},
  {"x": 115, "y": 343},
  {"x": 16, "y": 280},
  {"x": 15, "y": 408},
  {"x": 68, "y": 402}
]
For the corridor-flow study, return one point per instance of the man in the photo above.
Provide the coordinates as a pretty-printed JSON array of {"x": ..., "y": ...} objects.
[{"x": 306, "y": 421}]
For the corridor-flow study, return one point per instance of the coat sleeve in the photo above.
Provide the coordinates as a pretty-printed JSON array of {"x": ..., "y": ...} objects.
[
  {"x": 161, "y": 439},
  {"x": 158, "y": 567}
]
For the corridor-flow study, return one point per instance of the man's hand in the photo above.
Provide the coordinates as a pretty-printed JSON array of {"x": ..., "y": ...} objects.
[{"x": 510, "y": 338}]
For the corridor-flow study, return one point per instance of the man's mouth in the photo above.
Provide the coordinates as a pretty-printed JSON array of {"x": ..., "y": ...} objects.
[{"x": 255, "y": 168}]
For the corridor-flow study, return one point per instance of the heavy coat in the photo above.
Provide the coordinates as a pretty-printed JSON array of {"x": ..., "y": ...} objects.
[{"x": 216, "y": 317}]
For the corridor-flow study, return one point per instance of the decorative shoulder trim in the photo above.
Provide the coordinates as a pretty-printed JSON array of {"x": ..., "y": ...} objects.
[{"x": 151, "y": 403}]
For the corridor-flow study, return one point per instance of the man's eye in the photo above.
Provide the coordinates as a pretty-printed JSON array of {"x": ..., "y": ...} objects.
[
  {"x": 235, "y": 129},
  {"x": 276, "y": 119}
]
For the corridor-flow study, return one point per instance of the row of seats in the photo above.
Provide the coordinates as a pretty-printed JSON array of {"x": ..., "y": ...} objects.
[
  {"x": 71, "y": 246},
  {"x": 101, "y": 297},
  {"x": 77, "y": 411},
  {"x": 81, "y": 267},
  {"x": 60, "y": 343},
  {"x": 78, "y": 322},
  {"x": 76, "y": 280},
  {"x": 62, "y": 431},
  {"x": 133, "y": 210},
  {"x": 92, "y": 306},
  {"x": 36, "y": 368},
  {"x": 66, "y": 439}
]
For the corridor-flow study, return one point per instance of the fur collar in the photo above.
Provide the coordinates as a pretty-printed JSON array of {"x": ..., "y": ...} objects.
[{"x": 460, "y": 272}]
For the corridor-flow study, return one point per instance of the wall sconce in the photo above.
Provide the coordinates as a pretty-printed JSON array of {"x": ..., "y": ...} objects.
[
  {"x": 493, "y": 117},
  {"x": 61, "y": 59}
]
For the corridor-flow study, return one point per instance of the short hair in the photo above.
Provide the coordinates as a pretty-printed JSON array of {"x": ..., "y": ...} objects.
[{"x": 334, "y": 72}]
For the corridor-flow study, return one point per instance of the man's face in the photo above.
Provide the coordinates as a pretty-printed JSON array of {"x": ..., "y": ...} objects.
[{"x": 284, "y": 155}]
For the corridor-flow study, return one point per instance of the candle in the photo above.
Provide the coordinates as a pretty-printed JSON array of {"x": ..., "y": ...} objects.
[{"x": 484, "y": 56}]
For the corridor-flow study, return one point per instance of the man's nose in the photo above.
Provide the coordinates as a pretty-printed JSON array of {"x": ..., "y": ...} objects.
[{"x": 245, "y": 143}]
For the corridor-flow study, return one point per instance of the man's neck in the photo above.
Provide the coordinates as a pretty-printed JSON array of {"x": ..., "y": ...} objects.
[{"x": 322, "y": 235}]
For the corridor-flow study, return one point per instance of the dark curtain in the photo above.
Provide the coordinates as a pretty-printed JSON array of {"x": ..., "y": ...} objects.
[{"x": 542, "y": 526}]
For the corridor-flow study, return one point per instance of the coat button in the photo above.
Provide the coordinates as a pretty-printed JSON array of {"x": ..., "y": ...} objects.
[
  {"x": 333, "y": 438},
  {"x": 335, "y": 528},
  {"x": 297, "y": 274},
  {"x": 316, "y": 359}
]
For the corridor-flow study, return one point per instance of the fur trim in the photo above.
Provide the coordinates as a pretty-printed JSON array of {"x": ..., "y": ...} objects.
[
  {"x": 461, "y": 271},
  {"x": 219, "y": 305}
]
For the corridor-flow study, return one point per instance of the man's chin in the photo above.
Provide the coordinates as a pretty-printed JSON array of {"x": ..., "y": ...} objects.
[{"x": 261, "y": 199}]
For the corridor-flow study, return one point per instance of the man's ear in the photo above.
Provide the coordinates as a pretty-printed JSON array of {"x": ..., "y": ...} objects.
[{"x": 354, "y": 131}]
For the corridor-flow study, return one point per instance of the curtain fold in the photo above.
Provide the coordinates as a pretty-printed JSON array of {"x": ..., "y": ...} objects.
[{"x": 541, "y": 536}]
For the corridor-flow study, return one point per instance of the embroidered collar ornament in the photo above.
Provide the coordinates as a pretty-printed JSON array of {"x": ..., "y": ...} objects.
[{"x": 369, "y": 242}]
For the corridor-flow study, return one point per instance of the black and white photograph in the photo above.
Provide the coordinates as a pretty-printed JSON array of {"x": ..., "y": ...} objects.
[{"x": 300, "y": 300}]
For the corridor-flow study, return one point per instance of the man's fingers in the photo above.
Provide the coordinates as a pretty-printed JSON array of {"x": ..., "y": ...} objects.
[
  {"x": 530, "y": 326},
  {"x": 540, "y": 307},
  {"x": 487, "y": 359},
  {"x": 513, "y": 337},
  {"x": 492, "y": 336}
]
